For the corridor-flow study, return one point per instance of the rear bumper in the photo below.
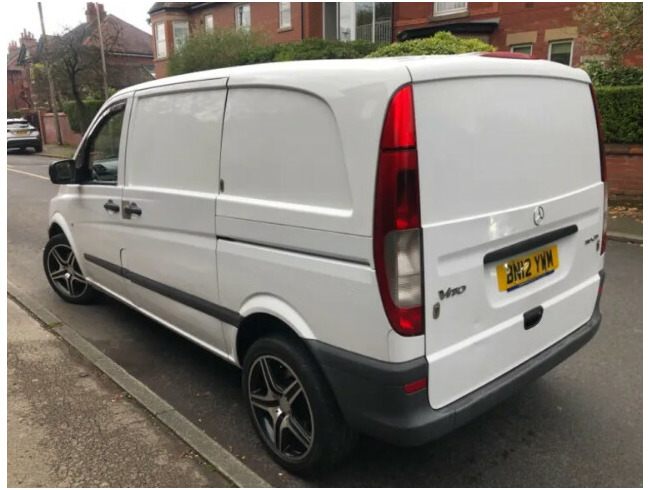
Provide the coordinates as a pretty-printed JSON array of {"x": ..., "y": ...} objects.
[
  {"x": 24, "y": 142},
  {"x": 372, "y": 399}
]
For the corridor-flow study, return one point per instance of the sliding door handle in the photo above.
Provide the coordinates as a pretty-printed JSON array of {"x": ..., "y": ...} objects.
[{"x": 132, "y": 208}]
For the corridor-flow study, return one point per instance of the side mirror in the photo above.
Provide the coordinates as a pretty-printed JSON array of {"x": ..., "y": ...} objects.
[{"x": 63, "y": 172}]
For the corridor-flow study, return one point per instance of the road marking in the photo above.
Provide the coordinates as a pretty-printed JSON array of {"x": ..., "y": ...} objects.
[{"x": 27, "y": 173}]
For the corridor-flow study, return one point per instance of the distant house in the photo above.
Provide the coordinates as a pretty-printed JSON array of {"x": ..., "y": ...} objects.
[
  {"x": 19, "y": 95},
  {"x": 546, "y": 30},
  {"x": 128, "y": 49}
]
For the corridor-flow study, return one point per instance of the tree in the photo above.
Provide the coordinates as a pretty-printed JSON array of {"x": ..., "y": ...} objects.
[
  {"x": 613, "y": 28},
  {"x": 76, "y": 65}
]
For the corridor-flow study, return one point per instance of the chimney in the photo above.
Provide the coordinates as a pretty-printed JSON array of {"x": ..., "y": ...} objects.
[
  {"x": 28, "y": 40},
  {"x": 13, "y": 49},
  {"x": 91, "y": 13}
]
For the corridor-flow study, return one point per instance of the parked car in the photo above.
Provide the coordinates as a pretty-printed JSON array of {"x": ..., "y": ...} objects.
[
  {"x": 21, "y": 134},
  {"x": 384, "y": 246}
]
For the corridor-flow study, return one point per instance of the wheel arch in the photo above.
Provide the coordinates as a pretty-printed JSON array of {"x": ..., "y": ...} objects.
[
  {"x": 58, "y": 225},
  {"x": 264, "y": 315}
]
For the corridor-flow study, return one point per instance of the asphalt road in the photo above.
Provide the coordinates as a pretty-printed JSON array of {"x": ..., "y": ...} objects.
[{"x": 580, "y": 425}]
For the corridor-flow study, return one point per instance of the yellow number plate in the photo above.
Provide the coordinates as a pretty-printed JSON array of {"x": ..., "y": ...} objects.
[
  {"x": 527, "y": 268},
  {"x": 22, "y": 132}
]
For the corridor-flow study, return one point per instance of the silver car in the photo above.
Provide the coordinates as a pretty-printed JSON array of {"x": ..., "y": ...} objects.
[{"x": 21, "y": 134}]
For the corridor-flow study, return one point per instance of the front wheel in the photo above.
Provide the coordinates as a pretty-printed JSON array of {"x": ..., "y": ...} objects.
[
  {"x": 63, "y": 272},
  {"x": 292, "y": 407}
]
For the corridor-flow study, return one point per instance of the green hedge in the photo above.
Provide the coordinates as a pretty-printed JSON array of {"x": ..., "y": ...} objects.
[
  {"x": 441, "y": 43},
  {"x": 216, "y": 49},
  {"x": 311, "y": 49},
  {"x": 621, "y": 113},
  {"x": 79, "y": 122},
  {"x": 621, "y": 76}
]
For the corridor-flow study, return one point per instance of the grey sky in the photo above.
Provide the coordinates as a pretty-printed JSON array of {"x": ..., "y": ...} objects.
[{"x": 59, "y": 14}]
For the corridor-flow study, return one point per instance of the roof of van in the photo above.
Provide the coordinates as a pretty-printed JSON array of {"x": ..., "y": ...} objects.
[{"x": 421, "y": 68}]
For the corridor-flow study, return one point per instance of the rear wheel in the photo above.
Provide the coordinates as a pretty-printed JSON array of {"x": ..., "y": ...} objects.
[
  {"x": 292, "y": 407},
  {"x": 38, "y": 148},
  {"x": 63, "y": 272}
]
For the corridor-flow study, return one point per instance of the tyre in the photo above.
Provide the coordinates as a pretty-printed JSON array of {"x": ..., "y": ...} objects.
[
  {"x": 38, "y": 148},
  {"x": 63, "y": 272},
  {"x": 292, "y": 407}
]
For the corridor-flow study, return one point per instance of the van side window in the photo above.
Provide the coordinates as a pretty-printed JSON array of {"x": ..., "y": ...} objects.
[{"x": 103, "y": 148}]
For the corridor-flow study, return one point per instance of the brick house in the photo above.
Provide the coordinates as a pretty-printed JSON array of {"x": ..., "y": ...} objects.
[
  {"x": 543, "y": 29},
  {"x": 130, "y": 53},
  {"x": 19, "y": 94}
]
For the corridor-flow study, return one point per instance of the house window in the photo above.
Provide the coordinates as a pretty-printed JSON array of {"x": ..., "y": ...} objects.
[
  {"x": 208, "y": 22},
  {"x": 561, "y": 52},
  {"x": 181, "y": 33},
  {"x": 445, "y": 8},
  {"x": 161, "y": 45},
  {"x": 285, "y": 14},
  {"x": 243, "y": 16},
  {"x": 348, "y": 21},
  {"x": 522, "y": 48}
]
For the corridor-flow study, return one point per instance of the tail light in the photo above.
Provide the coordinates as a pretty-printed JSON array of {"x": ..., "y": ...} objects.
[
  {"x": 397, "y": 235},
  {"x": 603, "y": 170}
]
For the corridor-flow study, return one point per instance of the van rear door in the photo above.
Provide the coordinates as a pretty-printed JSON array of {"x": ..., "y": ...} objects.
[{"x": 512, "y": 213}]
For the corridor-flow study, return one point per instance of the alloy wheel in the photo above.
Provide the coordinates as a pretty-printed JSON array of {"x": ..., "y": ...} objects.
[
  {"x": 281, "y": 408},
  {"x": 64, "y": 271}
]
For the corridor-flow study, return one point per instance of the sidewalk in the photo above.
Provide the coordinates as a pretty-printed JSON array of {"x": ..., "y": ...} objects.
[
  {"x": 69, "y": 425},
  {"x": 625, "y": 224},
  {"x": 58, "y": 152}
]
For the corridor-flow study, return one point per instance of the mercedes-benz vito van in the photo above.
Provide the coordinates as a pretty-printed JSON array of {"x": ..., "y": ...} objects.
[{"x": 384, "y": 246}]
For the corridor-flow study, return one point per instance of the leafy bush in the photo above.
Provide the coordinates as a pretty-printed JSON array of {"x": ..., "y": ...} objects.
[
  {"x": 441, "y": 43},
  {"x": 621, "y": 113},
  {"x": 17, "y": 114},
  {"x": 604, "y": 76},
  {"x": 216, "y": 49},
  {"x": 79, "y": 121},
  {"x": 311, "y": 49}
]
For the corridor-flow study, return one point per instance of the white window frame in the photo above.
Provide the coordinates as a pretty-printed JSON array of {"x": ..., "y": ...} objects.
[
  {"x": 353, "y": 34},
  {"x": 240, "y": 8},
  {"x": 563, "y": 41},
  {"x": 178, "y": 44},
  {"x": 528, "y": 45},
  {"x": 286, "y": 7},
  {"x": 205, "y": 22},
  {"x": 457, "y": 10},
  {"x": 160, "y": 54}
]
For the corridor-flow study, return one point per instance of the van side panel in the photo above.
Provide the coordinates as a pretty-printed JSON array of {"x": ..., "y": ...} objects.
[{"x": 338, "y": 300}]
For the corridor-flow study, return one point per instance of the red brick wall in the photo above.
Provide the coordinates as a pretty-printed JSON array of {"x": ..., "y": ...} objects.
[
  {"x": 68, "y": 136},
  {"x": 625, "y": 172}
]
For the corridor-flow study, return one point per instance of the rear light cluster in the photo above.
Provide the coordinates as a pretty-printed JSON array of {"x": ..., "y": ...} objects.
[
  {"x": 397, "y": 234},
  {"x": 603, "y": 170}
]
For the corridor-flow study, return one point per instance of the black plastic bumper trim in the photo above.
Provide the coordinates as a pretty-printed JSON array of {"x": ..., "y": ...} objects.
[
  {"x": 529, "y": 244},
  {"x": 371, "y": 396},
  {"x": 217, "y": 311}
]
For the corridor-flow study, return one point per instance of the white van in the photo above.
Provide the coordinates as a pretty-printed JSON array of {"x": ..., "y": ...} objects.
[{"x": 385, "y": 246}]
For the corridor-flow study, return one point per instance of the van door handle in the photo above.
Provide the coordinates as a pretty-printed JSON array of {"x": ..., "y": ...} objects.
[
  {"x": 111, "y": 206},
  {"x": 533, "y": 317},
  {"x": 132, "y": 208}
]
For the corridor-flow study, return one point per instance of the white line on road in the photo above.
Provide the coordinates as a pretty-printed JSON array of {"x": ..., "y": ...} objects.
[{"x": 27, "y": 173}]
